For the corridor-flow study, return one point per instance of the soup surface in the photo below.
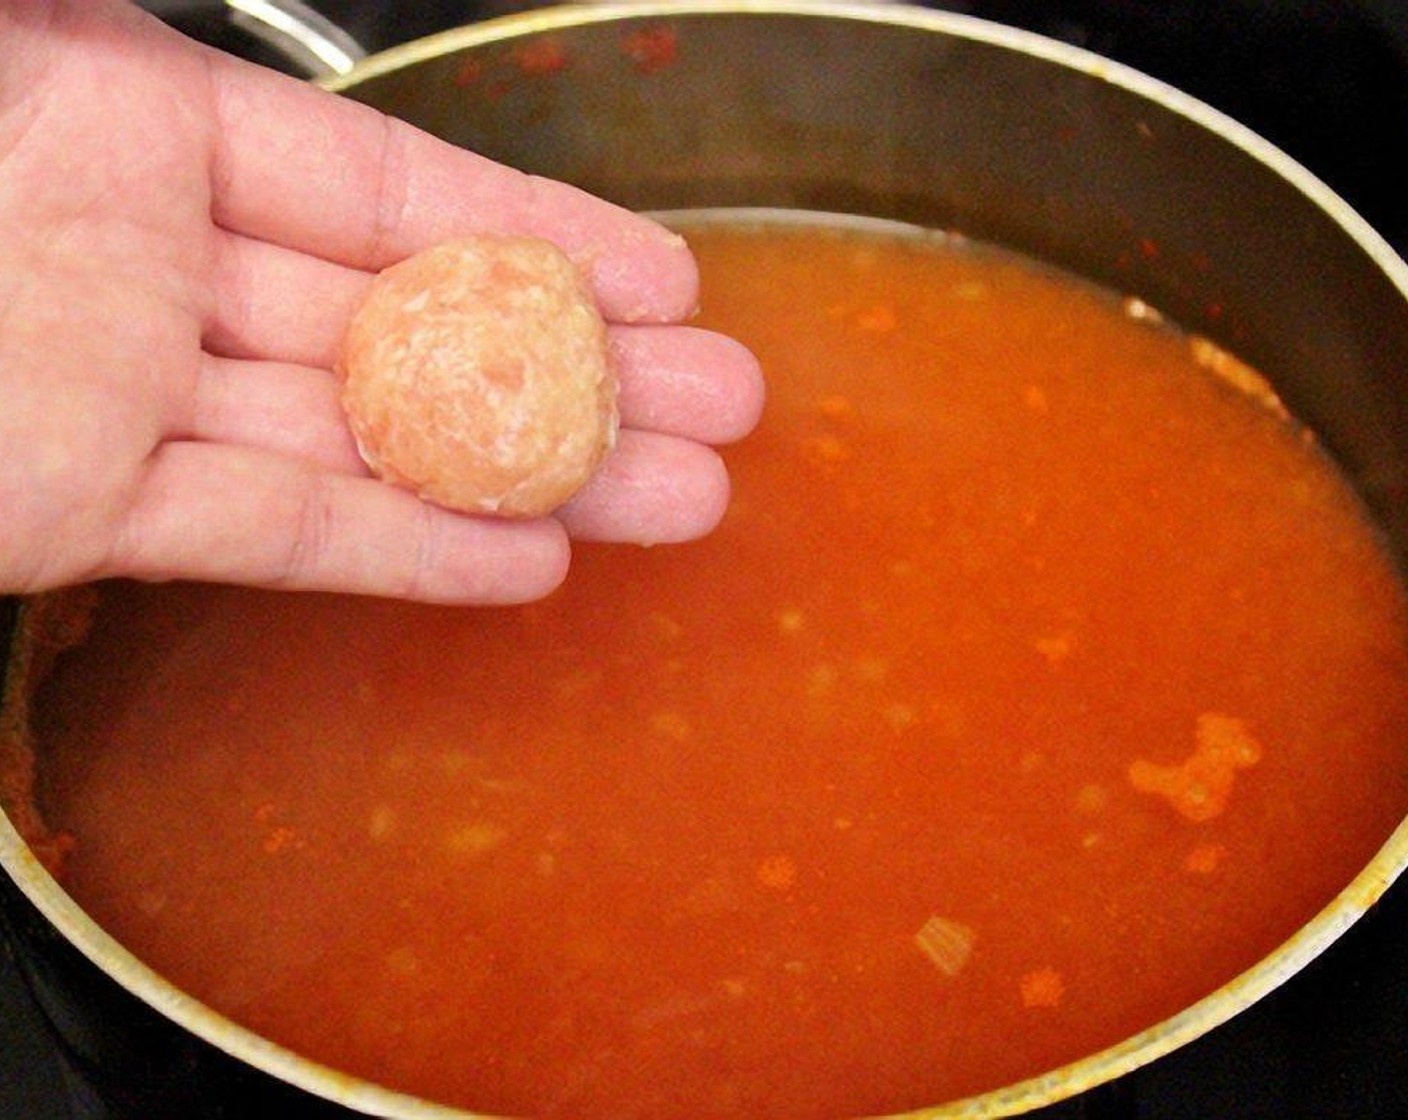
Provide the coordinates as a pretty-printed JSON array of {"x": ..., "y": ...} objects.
[{"x": 1038, "y": 682}]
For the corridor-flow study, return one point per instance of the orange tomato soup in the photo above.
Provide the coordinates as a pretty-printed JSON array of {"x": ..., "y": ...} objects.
[{"x": 1040, "y": 679}]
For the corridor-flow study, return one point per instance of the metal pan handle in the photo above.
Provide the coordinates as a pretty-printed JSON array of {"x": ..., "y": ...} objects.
[
  {"x": 309, "y": 41},
  {"x": 303, "y": 41}
]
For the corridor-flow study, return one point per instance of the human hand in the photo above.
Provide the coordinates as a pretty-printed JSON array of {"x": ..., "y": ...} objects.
[{"x": 182, "y": 238}]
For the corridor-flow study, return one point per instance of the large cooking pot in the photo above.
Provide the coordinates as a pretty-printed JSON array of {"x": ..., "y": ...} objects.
[{"x": 890, "y": 111}]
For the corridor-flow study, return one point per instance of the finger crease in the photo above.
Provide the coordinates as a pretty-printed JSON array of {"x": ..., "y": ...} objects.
[
  {"x": 427, "y": 550},
  {"x": 230, "y": 314},
  {"x": 390, "y": 203},
  {"x": 314, "y": 531}
]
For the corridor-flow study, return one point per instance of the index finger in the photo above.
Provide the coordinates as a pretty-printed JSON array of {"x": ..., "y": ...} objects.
[{"x": 319, "y": 173}]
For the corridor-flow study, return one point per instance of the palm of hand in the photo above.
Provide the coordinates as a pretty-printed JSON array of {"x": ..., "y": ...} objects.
[{"x": 181, "y": 238}]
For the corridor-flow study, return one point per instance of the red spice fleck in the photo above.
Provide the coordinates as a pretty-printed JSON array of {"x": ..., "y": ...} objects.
[
  {"x": 280, "y": 838},
  {"x": 1042, "y": 988},
  {"x": 540, "y": 56},
  {"x": 470, "y": 71},
  {"x": 651, "y": 49},
  {"x": 1205, "y": 859},
  {"x": 777, "y": 872},
  {"x": 53, "y": 850},
  {"x": 879, "y": 318},
  {"x": 1148, "y": 248}
]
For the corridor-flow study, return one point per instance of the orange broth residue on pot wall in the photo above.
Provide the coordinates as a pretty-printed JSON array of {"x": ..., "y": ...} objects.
[{"x": 1037, "y": 682}]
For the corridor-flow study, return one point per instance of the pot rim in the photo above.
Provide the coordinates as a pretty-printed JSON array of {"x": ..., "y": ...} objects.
[
  {"x": 897, "y": 13},
  {"x": 108, "y": 954},
  {"x": 1338, "y": 915}
]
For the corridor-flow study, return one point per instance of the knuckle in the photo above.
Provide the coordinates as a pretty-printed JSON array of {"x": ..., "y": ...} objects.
[
  {"x": 309, "y": 545},
  {"x": 390, "y": 198}
]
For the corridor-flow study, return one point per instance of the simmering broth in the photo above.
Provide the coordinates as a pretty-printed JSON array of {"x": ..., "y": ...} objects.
[{"x": 1041, "y": 678}]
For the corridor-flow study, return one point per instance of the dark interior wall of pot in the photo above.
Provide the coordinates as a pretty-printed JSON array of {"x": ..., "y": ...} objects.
[{"x": 1323, "y": 79}]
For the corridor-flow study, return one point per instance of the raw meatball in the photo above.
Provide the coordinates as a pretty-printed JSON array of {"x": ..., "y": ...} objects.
[{"x": 476, "y": 373}]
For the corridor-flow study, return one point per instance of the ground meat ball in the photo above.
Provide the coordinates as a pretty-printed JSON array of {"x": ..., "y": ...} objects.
[{"x": 476, "y": 373}]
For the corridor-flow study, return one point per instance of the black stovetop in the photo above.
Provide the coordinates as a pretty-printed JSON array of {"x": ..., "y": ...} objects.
[{"x": 1328, "y": 82}]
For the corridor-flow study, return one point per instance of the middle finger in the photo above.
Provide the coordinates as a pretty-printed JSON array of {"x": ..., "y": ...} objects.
[
  {"x": 282, "y": 407},
  {"x": 276, "y": 304}
]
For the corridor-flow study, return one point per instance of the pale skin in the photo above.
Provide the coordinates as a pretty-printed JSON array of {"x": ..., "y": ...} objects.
[{"x": 182, "y": 237}]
